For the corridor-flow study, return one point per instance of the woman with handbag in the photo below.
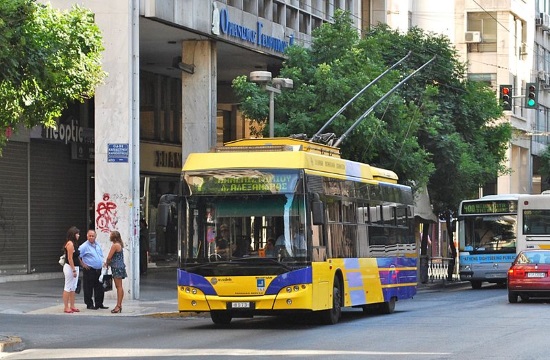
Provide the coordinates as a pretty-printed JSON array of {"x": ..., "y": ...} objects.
[
  {"x": 115, "y": 260},
  {"x": 70, "y": 269}
]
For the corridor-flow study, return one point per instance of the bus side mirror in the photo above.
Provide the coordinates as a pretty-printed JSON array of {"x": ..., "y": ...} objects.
[{"x": 318, "y": 211}]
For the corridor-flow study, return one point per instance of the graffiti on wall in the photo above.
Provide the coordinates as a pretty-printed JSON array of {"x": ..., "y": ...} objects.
[{"x": 107, "y": 215}]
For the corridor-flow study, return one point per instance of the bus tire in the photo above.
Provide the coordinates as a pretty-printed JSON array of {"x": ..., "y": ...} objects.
[
  {"x": 221, "y": 317},
  {"x": 331, "y": 316},
  {"x": 512, "y": 297},
  {"x": 388, "y": 307},
  {"x": 476, "y": 284}
]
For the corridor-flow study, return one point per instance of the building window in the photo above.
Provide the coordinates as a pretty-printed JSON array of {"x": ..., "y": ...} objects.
[
  {"x": 486, "y": 24},
  {"x": 160, "y": 108},
  {"x": 489, "y": 79}
]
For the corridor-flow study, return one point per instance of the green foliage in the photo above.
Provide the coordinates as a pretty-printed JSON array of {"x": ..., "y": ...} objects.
[
  {"x": 439, "y": 129},
  {"x": 49, "y": 58}
]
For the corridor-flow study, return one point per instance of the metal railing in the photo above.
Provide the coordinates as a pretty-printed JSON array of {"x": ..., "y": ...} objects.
[{"x": 438, "y": 268}]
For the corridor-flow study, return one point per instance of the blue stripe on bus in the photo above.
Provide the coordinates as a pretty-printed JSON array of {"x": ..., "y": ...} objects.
[
  {"x": 189, "y": 279},
  {"x": 396, "y": 261},
  {"x": 357, "y": 297},
  {"x": 301, "y": 276},
  {"x": 397, "y": 277},
  {"x": 355, "y": 279},
  {"x": 351, "y": 263},
  {"x": 401, "y": 292}
]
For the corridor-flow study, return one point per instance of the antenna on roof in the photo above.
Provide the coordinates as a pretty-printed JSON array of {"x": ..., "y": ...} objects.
[
  {"x": 318, "y": 137},
  {"x": 366, "y": 113}
]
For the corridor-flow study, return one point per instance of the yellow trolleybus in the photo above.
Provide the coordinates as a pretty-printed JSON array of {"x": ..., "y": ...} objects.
[{"x": 282, "y": 226}]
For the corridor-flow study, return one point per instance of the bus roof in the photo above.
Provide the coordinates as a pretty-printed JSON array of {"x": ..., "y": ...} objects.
[
  {"x": 498, "y": 197},
  {"x": 286, "y": 153}
]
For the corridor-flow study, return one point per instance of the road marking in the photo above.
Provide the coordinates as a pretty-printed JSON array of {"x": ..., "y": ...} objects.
[{"x": 64, "y": 353}]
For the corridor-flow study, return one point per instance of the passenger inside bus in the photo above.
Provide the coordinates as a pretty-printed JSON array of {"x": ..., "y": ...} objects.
[
  {"x": 269, "y": 249},
  {"x": 223, "y": 246}
]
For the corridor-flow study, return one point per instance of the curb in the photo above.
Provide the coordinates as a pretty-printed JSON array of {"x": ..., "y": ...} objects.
[{"x": 11, "y": 343}]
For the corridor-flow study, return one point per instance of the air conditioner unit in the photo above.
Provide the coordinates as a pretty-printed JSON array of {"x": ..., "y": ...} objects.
[
  {"x": 542, "y": 75},
  {"x": 538, "y": 20},
  {"x": 546, "y": 83},
  {"x": 523, "y": 49},
  {"x": 472, "y": 37}
]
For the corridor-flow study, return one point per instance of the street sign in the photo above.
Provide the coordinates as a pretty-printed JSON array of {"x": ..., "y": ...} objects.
[{"x": 117, "y": 153}]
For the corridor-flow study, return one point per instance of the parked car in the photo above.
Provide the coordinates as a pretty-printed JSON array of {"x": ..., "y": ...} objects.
[{"x": 529, "y": 275}]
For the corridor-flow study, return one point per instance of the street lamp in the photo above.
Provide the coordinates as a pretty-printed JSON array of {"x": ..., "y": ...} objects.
[{"x": 264, "y": 79}]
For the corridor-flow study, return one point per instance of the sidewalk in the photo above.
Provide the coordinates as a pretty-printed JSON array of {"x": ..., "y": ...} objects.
[{"x": 41, "y": 294}]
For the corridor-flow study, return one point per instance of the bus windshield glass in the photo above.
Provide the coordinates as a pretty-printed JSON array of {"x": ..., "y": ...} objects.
[
  {"x": 489, "y": 234},
  {"x": 236, "y": 215}
]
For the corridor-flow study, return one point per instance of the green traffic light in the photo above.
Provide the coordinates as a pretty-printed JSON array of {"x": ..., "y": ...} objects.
[{"x": 531, "y": 102}]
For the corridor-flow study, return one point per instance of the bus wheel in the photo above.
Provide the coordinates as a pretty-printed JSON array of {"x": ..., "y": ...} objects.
[
  {"x": 512, "y": 297},
  {"x": 476, "y": 284},
  {"x": 388, "y": 307},
  {"x": 331, "y": 316},
  {"x": 221, "y": 317}
]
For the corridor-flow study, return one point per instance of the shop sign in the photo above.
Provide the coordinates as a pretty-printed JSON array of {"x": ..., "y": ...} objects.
[
  {"x": 160, "y": 158},
  {"x": 222, "y": 25}
]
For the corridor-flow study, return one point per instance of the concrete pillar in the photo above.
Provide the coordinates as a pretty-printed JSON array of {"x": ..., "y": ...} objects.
[
  {"x": 199, "y": 97},
  {"x": 116, "y": 145}
]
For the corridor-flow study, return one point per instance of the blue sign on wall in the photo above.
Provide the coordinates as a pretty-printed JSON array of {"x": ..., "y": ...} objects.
[{"x": 117, "y": 153}]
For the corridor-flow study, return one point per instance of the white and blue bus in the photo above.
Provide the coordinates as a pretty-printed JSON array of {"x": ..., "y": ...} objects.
[
  {"x": 487, "y": 238},
  {"x": 533, "y": 230}
]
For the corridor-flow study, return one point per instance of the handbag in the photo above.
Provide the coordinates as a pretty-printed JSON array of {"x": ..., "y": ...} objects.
[
  {"x": 62, "y": 260},
  {"x": 106, "y": 279},
  {"x": 78, "y": 287}
]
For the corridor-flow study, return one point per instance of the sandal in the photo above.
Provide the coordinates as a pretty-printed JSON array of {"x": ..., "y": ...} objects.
[
  {"x": 75, "y": 310},
  {"x": 116, "y": 310},
  {"x": 69, "y": 311}
]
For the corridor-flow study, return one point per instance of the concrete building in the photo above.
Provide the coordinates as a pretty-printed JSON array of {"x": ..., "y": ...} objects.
[{"x": 170, "y": 64}]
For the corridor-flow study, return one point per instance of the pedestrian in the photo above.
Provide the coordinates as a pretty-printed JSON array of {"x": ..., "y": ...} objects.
[
  {"x": 143, "y": 246},
  {"x": 71, "y": 269},
  {"x": 91, "y": 260},
  {"x": 115, "y": 260}
]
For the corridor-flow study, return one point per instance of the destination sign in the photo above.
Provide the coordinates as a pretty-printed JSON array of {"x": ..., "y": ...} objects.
[
  {"x": 489, "y": 207},
  {"x": 229, "y": 182}
]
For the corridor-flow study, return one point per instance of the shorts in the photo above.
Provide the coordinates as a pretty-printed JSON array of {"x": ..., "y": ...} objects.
[{"x": 70, "y": 280}]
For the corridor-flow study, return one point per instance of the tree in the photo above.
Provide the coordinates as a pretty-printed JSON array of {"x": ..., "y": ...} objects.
[
  {"x": 439, "y": 129},
  {"x": 49, "y": 58}
]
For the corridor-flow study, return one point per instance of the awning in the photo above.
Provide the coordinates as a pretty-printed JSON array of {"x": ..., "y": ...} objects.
[{"x": 422, "y": 205}]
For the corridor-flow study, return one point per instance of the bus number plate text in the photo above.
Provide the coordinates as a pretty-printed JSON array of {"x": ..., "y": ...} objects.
[{"x": 240, "y": 305}]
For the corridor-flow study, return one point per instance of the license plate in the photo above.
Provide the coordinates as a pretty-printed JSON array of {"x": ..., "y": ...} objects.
[
  {"x": 240, "y": 305},
  {"x": 536, "y": 275}
]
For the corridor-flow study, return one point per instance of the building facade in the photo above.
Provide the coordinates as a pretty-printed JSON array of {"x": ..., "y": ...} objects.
[{"x": 168, "y": 93}]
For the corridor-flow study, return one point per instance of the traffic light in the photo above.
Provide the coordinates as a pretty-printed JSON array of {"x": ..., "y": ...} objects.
[
  {"x": 506, "y": 96},
  {"x": 531, "y": 95}
]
